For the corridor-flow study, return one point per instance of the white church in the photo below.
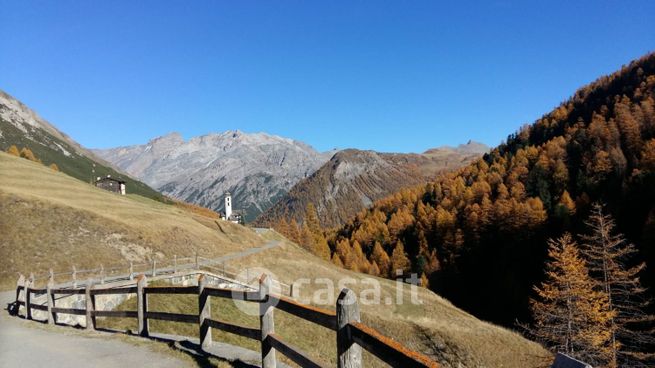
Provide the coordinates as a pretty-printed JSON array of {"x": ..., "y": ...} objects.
[{"x": 229, "y": 214}]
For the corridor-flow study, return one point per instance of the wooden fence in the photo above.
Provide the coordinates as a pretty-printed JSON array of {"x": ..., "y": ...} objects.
[
  {"x": 153, "y": 268},
  {"x": 351, "y": 334}
]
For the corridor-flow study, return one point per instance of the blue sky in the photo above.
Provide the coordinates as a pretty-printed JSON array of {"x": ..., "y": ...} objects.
[{"x": 386, "y": 75}]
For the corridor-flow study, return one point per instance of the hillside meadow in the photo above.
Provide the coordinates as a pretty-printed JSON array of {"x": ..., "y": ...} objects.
[
  {"x": 435, "y": 327},
  {"x": 51, "y": 220}
]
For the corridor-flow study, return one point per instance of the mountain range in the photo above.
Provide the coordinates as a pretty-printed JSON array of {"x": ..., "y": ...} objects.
[
  {"x": 353, "y": 179},
  {"x": 264, "y": 171},
  {"x": 257, "y": 169},
  {"x": 268, "y": 176}
]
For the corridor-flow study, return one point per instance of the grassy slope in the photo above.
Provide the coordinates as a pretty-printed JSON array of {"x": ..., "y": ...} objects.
[
  {"x": 76, "y": 165},
  {"x": 45, "y": 213},
  {"x": 435, "y": 327},
  {"x": 49, "y": 219}
]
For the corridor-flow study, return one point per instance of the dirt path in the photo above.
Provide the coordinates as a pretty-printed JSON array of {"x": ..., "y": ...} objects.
[{"x": 22, "y": 345}]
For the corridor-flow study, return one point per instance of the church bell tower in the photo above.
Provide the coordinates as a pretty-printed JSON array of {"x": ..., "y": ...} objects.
[{"x": 228, "y": 205}]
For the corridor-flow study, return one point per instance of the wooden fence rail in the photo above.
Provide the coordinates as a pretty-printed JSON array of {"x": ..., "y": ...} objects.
[
  {"x": 153, "y": 268},
  {"x": 352, "y": 336}
]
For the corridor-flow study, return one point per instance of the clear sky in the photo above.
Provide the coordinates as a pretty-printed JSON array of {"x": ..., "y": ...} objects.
[{"x": 385, "y": 75}]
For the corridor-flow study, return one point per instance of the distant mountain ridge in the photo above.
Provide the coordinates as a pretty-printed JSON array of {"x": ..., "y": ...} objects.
[
  {"x": 256, "y": 168},
  {"x": 24, "y": 128},
  {"x": 353, "y": 179}
]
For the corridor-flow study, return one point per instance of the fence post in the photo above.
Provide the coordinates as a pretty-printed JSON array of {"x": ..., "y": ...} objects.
[
  {"x": 20, "y": 283},
  {"x": 52, "y": 318},
  {"x": 131, "y": 270},
  {"x": 102, "y": 274},
  {"x": 175, "y": 263},
  {"x": 204, "y": 312},
  {"x": 142, "y": 304},
  {"x": 74, "y": 276},
  {"x": 28, "y": 296},
  {"x": 349, "y": 354},
  {"x": 90, "y": 301},
  {"x": 266, "y": 322},
  {"x": 154, "y": 267}
]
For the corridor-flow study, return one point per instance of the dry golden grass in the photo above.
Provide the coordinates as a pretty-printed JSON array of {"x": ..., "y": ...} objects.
[
  {"x": 198, "y": 210},
  {"x": 49, "y": 219},
  {"x": 435, "y": 327}
]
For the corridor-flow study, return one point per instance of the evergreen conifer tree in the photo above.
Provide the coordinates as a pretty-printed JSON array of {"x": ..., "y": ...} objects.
[
  {"x": 570, "y": 316},
  {"x": 608, "y": 256}
]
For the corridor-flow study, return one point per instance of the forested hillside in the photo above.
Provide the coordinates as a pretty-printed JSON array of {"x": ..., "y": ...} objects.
[
  {"x": 353, "y": 179},
  {"x": 479, "y": 235}
]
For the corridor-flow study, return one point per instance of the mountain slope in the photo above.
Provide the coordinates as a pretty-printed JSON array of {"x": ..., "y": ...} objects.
[
  {"x": 352, "y": 180},
  {"x": 479, "y": 234},
  {"x": 256, "y": 168},
  {"x": 49, "y": 219},
  {"x": 21, "y": 126}
]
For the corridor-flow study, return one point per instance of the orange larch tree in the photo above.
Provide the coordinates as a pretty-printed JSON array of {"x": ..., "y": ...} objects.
[
  {"x": 609, "y": 256},
  {"x": 569, "y": 315},
  {"x": 13, "y": 150}
]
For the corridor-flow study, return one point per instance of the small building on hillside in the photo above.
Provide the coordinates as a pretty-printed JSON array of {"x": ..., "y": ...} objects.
[
  {"x": 111, "y": 184},
  {"x": 229, "y": 214}
]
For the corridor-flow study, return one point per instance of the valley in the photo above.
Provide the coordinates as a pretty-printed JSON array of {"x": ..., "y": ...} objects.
[
  {"x": 73, "y": 223},
  {"x": 327, "y": 184}
]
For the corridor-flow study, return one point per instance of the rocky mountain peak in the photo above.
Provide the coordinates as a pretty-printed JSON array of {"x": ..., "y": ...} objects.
[
  {"x": 257, "y": 168},
  {"x": 166, "y": 141},
  {"x": 473, "y": 147}
]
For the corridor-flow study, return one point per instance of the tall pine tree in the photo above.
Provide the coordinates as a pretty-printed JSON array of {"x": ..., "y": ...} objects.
[
  {"x": 609, "y": 257},
  {"x": 569, "y": 315}
]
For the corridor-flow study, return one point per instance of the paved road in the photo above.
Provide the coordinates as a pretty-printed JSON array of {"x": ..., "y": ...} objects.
[
  {"x": 22, "y": 345},
  {"x": 250, "y": 251},
  {"x": 28, "y": 344}
]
